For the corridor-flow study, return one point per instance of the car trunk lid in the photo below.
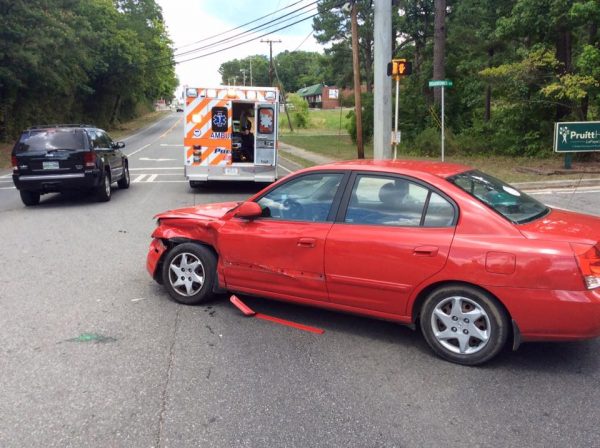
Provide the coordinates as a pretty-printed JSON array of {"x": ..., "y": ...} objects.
[{"x": 563, "y": 225}]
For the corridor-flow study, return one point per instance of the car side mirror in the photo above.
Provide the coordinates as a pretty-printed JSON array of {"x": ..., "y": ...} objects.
[
  {"x": 248, "y": 210},
  {"x": 118, "y": 145}
]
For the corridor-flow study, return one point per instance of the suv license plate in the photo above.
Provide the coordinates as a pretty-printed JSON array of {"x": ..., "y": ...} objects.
[
  {"x": 50, "y": 165},
  {"x": 231, "y": 171}
]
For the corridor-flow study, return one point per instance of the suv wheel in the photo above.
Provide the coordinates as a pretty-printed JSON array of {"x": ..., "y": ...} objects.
[
  {"x": 30, "y": 197},
  {"x": 103, "y": 191},
  {"x": 124, "y": 181}
]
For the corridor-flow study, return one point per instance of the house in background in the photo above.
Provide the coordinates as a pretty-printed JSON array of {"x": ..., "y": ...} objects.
[{"x": 321, "y": 96}]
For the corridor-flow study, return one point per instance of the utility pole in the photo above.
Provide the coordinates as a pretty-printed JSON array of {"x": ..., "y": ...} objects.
[
  {"x": 382, "y": 126},
  {"x": 243, "y": 70},
  {"x": 270, "y": 42},
  {"x": 251, "y": 81},
  {"x": 356, "y": 68}
]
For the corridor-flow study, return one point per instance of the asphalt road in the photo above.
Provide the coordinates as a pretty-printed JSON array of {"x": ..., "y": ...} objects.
[{"x": 95, "y": 354}]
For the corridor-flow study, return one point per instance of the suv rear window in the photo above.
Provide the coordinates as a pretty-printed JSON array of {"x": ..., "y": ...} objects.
[{"x": 46, "y": 139}]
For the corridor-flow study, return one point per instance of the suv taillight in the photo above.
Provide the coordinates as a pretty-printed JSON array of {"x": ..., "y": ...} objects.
[
  {"x": 89, "y": 158},
  {"x": 588, "y": 259},
  {"x": 13, "y": 162}
]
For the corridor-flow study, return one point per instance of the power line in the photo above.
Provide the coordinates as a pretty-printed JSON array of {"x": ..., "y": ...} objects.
[
  {"x": 305, "y": 39},
  {"x": 240, "y": 26},
  {"x": 265, "y": 26},
  {"x": 262, "y": 27},
  {"x": 245, "y": 42}
]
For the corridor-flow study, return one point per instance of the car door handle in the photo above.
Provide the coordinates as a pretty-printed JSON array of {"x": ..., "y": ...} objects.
[
  {"x": 307, "y": 242},
  {"x": 426, "y": 251}
]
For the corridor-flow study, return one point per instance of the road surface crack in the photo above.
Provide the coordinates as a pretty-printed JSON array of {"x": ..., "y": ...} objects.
[{"x": 163, "y": 403}]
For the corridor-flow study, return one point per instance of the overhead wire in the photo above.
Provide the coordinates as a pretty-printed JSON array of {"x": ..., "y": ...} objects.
[
  {"x": 274, "y": 22},
  {"x": 239, "y": 26},
  {"x": 261, "y": 27},
  {"x": 246, "y": 41}
]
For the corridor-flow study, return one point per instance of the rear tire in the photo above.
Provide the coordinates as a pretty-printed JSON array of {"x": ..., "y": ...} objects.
[
  {"x": 189, "y": 273},
  {"x": 463, "y": 324},
  {"x": 30, "y": 198},
  {"x": 124, "y": 181},
  {"x": 103, "y": 192},
  {"x": 198, "y": 184}
]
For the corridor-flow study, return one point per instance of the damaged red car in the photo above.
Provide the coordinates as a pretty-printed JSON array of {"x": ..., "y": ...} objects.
[{"x": 474, "y": 263}]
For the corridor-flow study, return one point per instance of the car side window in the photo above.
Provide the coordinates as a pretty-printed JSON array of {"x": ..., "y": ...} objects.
[
  {"x": 386, "y": 200},
  {"x": 440, "y": 213},
  {"x": 306, "y": 198},
  {"x": 105, "y": 140}
]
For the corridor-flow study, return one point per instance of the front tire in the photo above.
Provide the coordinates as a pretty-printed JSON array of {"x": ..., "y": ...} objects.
[
  {"x": 30, "y": 198},
  {"x": 189, "y": 273},
  {"x": 103, "y": 192},
  {"x": 463, "y": 324},
  {"x": 125, "y": 180}
]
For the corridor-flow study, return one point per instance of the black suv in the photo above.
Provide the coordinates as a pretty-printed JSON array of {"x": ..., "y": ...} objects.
[{"x": 62, "y": 157}]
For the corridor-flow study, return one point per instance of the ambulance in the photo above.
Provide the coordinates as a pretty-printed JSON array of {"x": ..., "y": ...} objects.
[{"x": 230, "y": 134}]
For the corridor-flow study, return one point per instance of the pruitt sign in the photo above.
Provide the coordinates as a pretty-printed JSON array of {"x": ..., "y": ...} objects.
[{"x": 577, "y": 136}]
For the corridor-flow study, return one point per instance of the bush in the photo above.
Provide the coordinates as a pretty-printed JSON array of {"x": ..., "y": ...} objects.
[
  {"x": 298, "y": 110},
  {"x": 367, "y": 119},
  {"x": 428, "y": 143}
]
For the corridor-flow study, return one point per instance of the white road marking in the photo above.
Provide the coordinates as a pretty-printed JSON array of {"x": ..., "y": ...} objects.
[
  {"x": 152, "y": 177},
  {"x": 152, "y": 168},
  {"x": 155, "y": 160},
  {"x": 284, "y": 168},
  {"x": 138, "y": 150},
  {"x": 7, "y": 188},
  {"x": 139, "y": 178},
  {"x": 172, "y": 145}
]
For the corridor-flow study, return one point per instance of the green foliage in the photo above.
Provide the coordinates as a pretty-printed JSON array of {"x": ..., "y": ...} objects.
[
  {"x": 81, "y": 60},
  {"x": 256, "y": 70},
  {"x": 367, "y": 119},
  {"x": 298, "y": 110}
]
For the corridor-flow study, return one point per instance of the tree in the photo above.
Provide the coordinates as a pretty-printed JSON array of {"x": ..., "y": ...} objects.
[
  {"x": 332, "y": 26},
  {"x": 258, "y": 65},
  {"x": 439, "y": 46}
]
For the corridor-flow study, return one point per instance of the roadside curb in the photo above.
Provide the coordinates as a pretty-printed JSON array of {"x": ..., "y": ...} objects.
[{"x": 559, "y": 183}]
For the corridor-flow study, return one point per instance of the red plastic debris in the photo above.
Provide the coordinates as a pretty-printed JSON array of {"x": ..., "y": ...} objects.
[{"x": 249, "y": 312}]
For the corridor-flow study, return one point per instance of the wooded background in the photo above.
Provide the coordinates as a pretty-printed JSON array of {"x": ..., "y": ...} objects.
[
  {"x": 74, "y": 61},
  {"x": 517, "y": 67}
]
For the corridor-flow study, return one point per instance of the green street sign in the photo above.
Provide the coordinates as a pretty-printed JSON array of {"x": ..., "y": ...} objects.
[
  {"x": 440, "y": 83},
  {"x": 577, "y": 136}
]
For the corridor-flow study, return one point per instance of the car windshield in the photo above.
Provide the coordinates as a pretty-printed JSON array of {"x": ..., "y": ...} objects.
[
  {"x": 49, "y": 139},
  {"x": 514, "y": 205}
]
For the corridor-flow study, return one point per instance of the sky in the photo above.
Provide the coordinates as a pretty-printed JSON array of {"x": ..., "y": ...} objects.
[{"x": 191, "y": 21}]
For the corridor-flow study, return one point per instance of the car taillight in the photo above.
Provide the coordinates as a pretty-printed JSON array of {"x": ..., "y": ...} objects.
[
  {"x": 89, "y": 158},
  {"x": 588, "y": 259},
  {"x": 13, "y": 162}
]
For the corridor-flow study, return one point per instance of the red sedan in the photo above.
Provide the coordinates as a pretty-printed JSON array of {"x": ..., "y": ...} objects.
[{"x": 472, "y": 261}]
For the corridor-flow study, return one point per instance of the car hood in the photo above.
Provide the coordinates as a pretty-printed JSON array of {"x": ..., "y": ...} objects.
[
  {"x": 563, "y": 225},
  {"x": 201, "y": 212}
]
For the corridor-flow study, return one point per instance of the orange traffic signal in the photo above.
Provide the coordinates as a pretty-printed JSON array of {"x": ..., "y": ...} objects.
[{"x": 399, "y": 67}]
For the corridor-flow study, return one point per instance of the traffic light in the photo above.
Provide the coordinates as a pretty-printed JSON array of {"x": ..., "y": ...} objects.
[{"x": 399, "y": 67}]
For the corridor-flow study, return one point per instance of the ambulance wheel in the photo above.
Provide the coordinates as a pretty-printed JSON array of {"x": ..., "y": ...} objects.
[
  {"x": 189, "y": 273},
  {"x": 198, "y": 183}
]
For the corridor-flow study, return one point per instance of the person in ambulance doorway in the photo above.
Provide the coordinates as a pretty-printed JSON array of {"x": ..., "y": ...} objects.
[{"x": 247, "y": 149}]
